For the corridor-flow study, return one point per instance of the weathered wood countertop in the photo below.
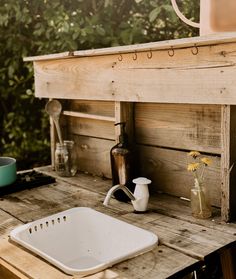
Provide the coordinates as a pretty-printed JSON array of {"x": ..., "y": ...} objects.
[{"x": 185, "y": 242}]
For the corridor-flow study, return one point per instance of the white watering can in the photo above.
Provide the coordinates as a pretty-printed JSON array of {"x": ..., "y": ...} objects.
[{"x": 215, "y": 16}]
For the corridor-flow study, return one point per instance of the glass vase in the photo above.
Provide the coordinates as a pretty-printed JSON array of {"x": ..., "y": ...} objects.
[{"x": 200, "y": 202}]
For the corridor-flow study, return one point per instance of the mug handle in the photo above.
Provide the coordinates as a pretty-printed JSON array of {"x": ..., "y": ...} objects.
[{"x": 182, "y": 17}]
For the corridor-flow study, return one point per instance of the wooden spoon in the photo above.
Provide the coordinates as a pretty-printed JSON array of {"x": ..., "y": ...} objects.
[{"x": 54, "y": 108}]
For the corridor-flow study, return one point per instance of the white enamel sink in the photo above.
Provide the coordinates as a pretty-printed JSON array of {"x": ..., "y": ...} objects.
[{"x": 83, "y": 241}]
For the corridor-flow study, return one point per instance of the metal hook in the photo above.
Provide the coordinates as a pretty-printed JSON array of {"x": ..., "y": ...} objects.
[
  {"x": 120, "y": 57},
  {"x": 135, "y": 56},
  {"x": 171, "y": 52},
  {"x": 149, "y": 54},
  {"x": 194, "y": 50}
]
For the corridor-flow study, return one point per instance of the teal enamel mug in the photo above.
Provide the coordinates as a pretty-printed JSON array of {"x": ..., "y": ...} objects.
[{"x": 7, "y": 171}]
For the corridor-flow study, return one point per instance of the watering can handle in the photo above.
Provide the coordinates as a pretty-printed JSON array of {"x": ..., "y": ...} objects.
[{"x": 182, "y": 17}]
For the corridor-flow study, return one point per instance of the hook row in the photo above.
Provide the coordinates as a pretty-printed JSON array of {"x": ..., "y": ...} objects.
[{"x": 171, "y": 53}]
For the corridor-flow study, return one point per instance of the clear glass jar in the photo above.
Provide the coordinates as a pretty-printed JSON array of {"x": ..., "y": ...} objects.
[
  {"x": 61, "y": 160},
  {"x": 200, "y": 202},
  {"x": 71, "y": 156}
]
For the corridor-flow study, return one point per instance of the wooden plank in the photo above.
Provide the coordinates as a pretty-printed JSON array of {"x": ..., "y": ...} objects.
[
  {"x": 181, "y": 126},
  {"x": 184, "y": 236},
  {"x": 91, "y": 107},
  {"x": 191, "y": 239},
  {"x": 124, "y": 112},
  {"x": 225, "y": 163},
  {"x": 90, "y": 127},
  {"x": 88, "y": 116},
  {"x": 162, "y": 203},
  {"x": 228, "y": 170},
  {"x": 177, "y": 43},
  {"x": 168, "y": 171},
  {"x": 28, "y": 264},
  {"x": 7, "y": 271},
  {"x": 232, "y": 162},
  {"x": 228, "y": 263},
  {"x": 7, "y": 223},
  {"x": 205, "y": 78},
  {"x": 46, "y": 200},
  {"x": 93, "y": 155},
  {"x": 161, "y": 263}
]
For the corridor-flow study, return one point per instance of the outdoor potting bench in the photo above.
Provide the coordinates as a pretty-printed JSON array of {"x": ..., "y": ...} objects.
[{"x": 175, "y": 96}]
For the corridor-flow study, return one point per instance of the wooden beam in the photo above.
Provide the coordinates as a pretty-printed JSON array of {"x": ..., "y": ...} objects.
[
  {"x": 228, "y": 161},
  {"x": 88, "y": 116},
  {"x": 228, "y": 262},
  {"x": 205, "y": 78},
  {"x": 124, "y": 112},
  {"x": 177, "y": 43}
]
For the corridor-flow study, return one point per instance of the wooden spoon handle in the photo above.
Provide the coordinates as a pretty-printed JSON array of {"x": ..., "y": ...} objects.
[{"x": 56, "y": 121}]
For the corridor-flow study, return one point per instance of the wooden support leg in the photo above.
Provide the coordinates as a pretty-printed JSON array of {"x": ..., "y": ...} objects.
[
  {"x": 228, "y": 163},
  {"x": 228, "y": 262},
  {"x": 124, "y": 113}
]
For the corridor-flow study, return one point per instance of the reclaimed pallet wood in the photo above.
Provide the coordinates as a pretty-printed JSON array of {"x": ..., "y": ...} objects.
[
  {"x": 7, "y": 271},
  {"x": 91, "y": 107},
  {"x": 160, "y": 263},
  {"x": 167, "y": 170},
  {"x": 214, "y": 39},
  {"x": 179, "y": 126},
  {"x": 93, "y": 154},
  {"x": 205, "y": 78},
  {"x": 191, "y": 239},
  {"x": 7, "y": 222},
  {"x": 159, "y": 203},
  {"x": 228, "y": 170},
  {"x": 90, "y": 128}
]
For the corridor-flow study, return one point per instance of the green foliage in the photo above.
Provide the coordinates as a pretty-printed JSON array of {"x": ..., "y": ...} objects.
[{"x": 47, "y": 26}]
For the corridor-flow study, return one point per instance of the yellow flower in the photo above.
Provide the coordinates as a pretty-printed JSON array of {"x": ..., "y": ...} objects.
[
  {"x": 193, "y": 167},
  {"x": 206, "y": 161},
  {"x": 194, "y": 154}
]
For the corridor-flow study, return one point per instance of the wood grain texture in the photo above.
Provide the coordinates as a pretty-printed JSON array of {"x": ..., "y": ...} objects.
[
  {"x": 88, "y": 116},
  {"x": 213, "y": 39},
  {"x": 7, "y": 222},
  {"x": 90, "y": 127},
  {"x": 124, "y": 112},
  {"x": 93, "y": 155},
  {"x": 191, "y": 239},
  {"x": 228, "y": 263},
  {"x": 159, "y": 203},
  {"x": 91, "y": 107},
  {"x": 205, "y": 78},
  {"x": 161, "y": 263},
  {"x": 191, "y": 127},
  {"x": 228, "y": 170},
  {"x": 225, "y": 163},
  {"x": 7, "y": 271},
  {"x": 168, "y": 171}
]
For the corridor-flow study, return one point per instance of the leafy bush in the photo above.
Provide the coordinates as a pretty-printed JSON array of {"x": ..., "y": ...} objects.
[{"x": 47, "y": 26}]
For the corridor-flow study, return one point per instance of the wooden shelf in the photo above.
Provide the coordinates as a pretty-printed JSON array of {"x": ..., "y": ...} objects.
[{"x": 88, "y": 116}]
